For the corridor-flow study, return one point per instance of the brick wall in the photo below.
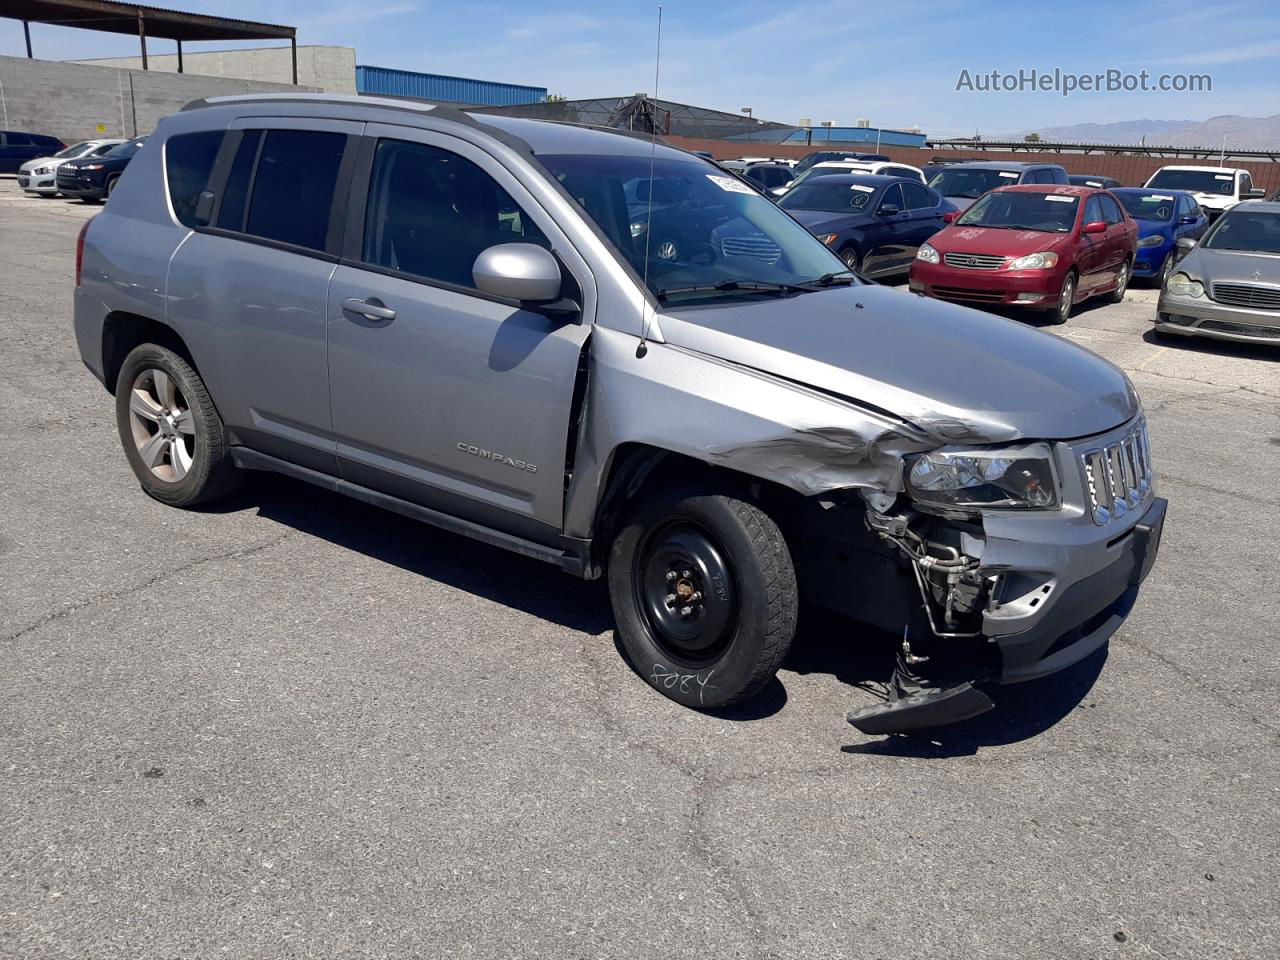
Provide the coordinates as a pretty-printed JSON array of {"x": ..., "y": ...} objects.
[{"x": 1131, "y": 171}]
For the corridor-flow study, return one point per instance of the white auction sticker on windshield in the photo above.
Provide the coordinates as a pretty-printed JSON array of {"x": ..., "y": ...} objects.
[
  {"x": 862, "y": 187},
  {"x": 729, "y": 185},
  {"x": 1011, "y": 176},
  {"x": 1159, "y": 196},
  {"x": 1222, "y": 176},
  {"x": 1059, "y": 199}
]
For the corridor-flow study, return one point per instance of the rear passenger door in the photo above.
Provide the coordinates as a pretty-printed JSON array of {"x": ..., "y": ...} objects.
[
  {"x": 452, "y": 399},
  {"x": 248, "y": 289},
  {"x": 924, "y": 218}
]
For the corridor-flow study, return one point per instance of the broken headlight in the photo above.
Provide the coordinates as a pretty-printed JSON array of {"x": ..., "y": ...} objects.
[{"x": 1020, "y": 478}]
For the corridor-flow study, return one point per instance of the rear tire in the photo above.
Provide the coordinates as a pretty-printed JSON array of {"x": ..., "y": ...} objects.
[
  {"x": 725, "y": 562},
  {"x": 172, "y": 435}
]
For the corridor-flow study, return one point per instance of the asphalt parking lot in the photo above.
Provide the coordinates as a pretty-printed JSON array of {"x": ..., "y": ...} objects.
[{"x": 294, "y": 726}]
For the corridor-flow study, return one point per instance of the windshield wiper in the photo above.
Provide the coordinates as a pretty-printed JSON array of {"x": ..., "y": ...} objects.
[
  {"x": 840, "y": 276},
  {"x": 755, "y": 286}
]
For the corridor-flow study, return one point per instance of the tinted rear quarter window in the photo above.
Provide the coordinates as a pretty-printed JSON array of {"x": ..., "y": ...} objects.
[
  {"x": 293, "y": 186},
  {"x": 188, "y": 159}
]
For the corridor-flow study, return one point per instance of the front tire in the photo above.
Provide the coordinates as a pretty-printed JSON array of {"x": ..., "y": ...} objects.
[
  {"x": 172, "y": 435},
  {"x": 851, "y": 259},
  {"x": 1122, "y": 284},
  {"x": 704, "y": 596},
  {"x": 1066, "y": 300}
]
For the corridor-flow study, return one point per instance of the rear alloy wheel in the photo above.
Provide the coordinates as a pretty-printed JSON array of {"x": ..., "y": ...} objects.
[
  {"x": 1122, "y": 284},
  {"x": 1066, "y": 299},
  {"x": 172, "y": 435},
  {"x": 704, "y": 595}
]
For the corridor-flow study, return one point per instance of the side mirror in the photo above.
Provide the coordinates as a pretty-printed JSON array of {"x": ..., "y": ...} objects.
[
  {"x": 950, "y": 216},
  {"x": 1187, "y": 218},
  {"x": 518, "y": 271},
  {"x": 1254, "y": 194},
  {"x": 1096, "y": 227},
  {"x": 1185, "y": 244},
  {"x": 887, "y": 210}
]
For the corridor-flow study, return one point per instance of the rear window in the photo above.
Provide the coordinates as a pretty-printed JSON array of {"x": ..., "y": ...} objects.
[
  {"x": 188, "y": 161},
  {"x": 293, "y": 186}
]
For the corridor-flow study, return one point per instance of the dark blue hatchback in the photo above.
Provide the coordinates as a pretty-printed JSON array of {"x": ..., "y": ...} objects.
[
  {"x": 1163, "y": 217},
  {"x": 875, "y": 224}
]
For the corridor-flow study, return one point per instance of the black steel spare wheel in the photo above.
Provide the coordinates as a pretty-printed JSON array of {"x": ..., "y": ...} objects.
[
  {"x": 684, "y": 589},
  {"x": 704, "y": 595}
]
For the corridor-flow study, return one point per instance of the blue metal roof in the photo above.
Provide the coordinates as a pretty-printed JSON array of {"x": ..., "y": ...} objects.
[
  {"x": 435, "y": 86},
  {"x": 887, "y": 138}
]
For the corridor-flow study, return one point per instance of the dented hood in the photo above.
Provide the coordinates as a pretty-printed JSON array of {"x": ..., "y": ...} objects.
[{"x": 961, "y": 375}]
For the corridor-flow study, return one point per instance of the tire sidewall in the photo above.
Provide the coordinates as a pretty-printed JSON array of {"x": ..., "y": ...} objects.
[
  {"x": 732, "y": 676},
  {"x": 191, "y": 488}
]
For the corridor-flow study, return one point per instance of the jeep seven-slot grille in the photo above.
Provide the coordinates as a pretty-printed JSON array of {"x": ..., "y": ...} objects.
[
  {"x": 973, "y": 261},
  {"x": 1247, "y": 295},
  {"x": 761, "y": 248},
  {"x": 1118, "y": 475}
]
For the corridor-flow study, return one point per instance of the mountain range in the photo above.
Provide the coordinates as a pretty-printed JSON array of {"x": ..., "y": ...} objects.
[{"x": 1242, "y": 133}]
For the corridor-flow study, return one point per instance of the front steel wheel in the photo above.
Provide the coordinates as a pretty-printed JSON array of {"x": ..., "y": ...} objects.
[{"x": 704, "y": 595}]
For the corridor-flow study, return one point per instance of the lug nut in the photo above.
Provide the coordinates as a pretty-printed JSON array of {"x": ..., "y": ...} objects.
[
  {"x": 686, "y": 574},
  {"x": 671, "y": 598},
  {"x": 696, "y": 596},
  {"x": 685, "y": 611},
  {"x": 671, "y": 574}
]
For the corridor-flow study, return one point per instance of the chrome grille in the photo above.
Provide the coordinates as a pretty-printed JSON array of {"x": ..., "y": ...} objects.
[
  {"x": 1118, "y": 475},
  {"x": 1247, "y": 295},
  {"x": 973, "y": 261},
  {"x": 759, "y": 247}
]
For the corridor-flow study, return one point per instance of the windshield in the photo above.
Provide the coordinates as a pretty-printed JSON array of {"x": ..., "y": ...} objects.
[
  {"x": 1020, "y": 210},
  {"x": 819, "y": 157},
  {"x": 815, "y": 172},
  {"x": 708, "y": 228},
  {"x": 971, "y": 183},
  {"x": 1197, "y": 181},
  {"x": 1148, "y": 206},
  {"x": 830, "y": 197},
  {"x": 127, "y": 149},
  {"x": 1251, "y": 230},
  {"x": 73, "y": 151}
]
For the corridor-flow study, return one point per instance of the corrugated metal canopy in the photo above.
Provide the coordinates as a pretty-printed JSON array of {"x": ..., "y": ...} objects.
[{"x": 114, "y": 17}]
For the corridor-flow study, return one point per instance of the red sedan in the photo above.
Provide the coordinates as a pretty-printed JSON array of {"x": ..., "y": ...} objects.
[{"x": 1042, "y": 246}]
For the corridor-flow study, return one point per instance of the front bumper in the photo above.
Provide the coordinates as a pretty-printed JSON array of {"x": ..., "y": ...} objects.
[
  {"x": 38, "y": 183},
  {"x": 1202, "y": 317},
  {"x": 80, "y": 187},
  {"x": 1019, "y": 288},
  {"x": 1148, "y": 260}
]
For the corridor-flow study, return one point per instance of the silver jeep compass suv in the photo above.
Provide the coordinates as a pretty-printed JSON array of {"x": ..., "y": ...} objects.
[{"x": 614, "y": 356}]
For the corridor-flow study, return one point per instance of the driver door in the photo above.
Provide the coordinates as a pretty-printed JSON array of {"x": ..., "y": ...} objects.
[
  {"x": 886, "y": 244},
  {"x": 443, "y": 395}
]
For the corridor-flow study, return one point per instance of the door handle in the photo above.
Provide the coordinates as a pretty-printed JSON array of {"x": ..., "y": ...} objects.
[{"x": 371, "y": 308}]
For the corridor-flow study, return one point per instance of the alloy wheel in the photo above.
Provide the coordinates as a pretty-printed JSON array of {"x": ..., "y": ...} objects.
[
  {"x": 1066, "y": 298},
  {"x": 1122, "y": 281},
  {"x": 162, "y": 425}
]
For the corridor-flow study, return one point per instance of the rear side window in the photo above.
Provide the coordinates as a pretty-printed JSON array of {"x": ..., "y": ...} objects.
[
  {"x": 188, "y": 161},
  {"x": 293, "y": 186},
  {"x": 919, "y": 197}
]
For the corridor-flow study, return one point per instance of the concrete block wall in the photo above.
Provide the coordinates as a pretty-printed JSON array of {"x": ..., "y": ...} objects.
[
  {"x": 332, "y": 69},
  {"x": 76, "y": 101}
]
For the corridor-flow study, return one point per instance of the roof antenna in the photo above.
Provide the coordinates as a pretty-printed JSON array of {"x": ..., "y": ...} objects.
[{"x": 641, "y": 348}]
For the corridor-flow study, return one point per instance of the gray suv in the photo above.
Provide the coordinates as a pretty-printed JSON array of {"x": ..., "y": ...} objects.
[{"x": 463, "y": 319}]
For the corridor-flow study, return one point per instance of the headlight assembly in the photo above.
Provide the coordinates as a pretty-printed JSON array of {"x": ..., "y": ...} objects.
[
  {"x": 926, "y": 253},
  {"x": 1035, "y": 261},
  {"x": 1152, "y": 241},
  {"x": 1016, "y": 478},
  {"x": 1181, "y": 285}
]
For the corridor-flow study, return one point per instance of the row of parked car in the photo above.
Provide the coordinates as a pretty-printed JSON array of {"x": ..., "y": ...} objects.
[
  {"x": 88, "y": 170},
  {"x": 1029, "y": 235}
]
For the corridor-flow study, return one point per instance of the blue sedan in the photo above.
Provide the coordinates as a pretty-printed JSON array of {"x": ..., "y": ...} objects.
[
  {"x": 874, "y": 224},
  {"x": 1164, "y": 217}
]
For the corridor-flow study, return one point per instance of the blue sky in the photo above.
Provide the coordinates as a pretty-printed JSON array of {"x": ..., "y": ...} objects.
[{"x": 896, "y": 65}]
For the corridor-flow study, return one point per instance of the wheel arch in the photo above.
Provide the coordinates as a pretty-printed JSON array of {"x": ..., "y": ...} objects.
[{"x": 123, "y": 331}]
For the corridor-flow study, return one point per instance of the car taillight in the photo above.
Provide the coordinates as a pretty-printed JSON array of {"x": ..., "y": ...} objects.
[{"x": 80, "y": 248}]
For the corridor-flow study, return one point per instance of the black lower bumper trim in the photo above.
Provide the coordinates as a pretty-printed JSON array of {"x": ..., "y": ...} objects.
[{"x": 922, "y": 710}]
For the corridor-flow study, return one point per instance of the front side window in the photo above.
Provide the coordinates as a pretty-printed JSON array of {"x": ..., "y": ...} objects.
[
  {"x": 892, "y": 198},
  {"x": 1023, "y": 210},
  {"x": 293, "y": 186},
  {"x": 720, "y": 234},
  {"x": 430, "y": 213},
  {"x": 188, "y": 161},
  {"x": 1111, "y": 212},
  {"x": 1093, "y": 211}
]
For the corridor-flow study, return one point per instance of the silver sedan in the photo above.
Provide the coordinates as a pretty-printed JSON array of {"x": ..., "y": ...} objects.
[{"x": 1228, "y": 285}]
